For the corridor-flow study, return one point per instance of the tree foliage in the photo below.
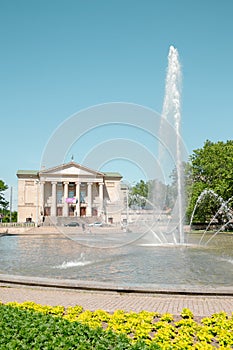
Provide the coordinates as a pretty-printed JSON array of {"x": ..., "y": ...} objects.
[
  {"x": 138, "y": 194},
  {"x": 5, "y": 215},
  {"x": 3, "y": 187},
  {"x": 9, "y": 217},
  {"x": 152, "y": 194},
  {"x": 210, "y": 168}
]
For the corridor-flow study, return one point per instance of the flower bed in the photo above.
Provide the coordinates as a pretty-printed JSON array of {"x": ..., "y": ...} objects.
[{"x": 32, "y": 326}]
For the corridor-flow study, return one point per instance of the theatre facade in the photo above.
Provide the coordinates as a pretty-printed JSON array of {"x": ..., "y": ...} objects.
[{"x": 67, "y": 191}]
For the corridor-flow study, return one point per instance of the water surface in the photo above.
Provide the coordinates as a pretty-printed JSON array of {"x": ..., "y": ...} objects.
[{"x": 124, "y": 259}]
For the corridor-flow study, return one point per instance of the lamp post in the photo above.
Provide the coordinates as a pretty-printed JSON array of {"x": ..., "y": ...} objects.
[
  {"x": 11, "y": 204},
  {"x": 127, "y": 207},
  {"x": 105, "y": 210},
  {"x": 128, "y": 189}
]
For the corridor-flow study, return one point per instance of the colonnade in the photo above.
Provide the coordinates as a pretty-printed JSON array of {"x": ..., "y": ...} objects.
[{"x": 88, "y": 203}]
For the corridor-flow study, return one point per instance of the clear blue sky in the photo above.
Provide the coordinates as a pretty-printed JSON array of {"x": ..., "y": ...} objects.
[{"x": 59, "y": 57}]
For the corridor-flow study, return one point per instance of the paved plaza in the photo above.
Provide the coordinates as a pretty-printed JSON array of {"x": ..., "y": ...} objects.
[{"x": 110, "y": 301}]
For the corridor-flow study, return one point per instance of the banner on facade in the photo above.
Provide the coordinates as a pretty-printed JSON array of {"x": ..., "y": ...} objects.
[{"x": 71, "y": 200}]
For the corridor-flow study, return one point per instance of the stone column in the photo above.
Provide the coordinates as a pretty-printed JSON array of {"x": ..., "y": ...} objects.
[
  {"x": 101, "y": 197},
  {"x": 77, "y": 198},
  {"x": 89, "y": 199},
  {"x": 54, "y": 199},
  {"x": 42, "y": 184},
  {"x": 65, "y": 208}
]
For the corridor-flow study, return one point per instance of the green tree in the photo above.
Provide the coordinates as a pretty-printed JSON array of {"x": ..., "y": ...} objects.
[
  {"x": 210, "y": 169},
  {"x": 151, "y": 194},
  {"x": 3, "y": 203},
  {"x": 138, "y": 194},
  {"x": 10, "y": 217}
]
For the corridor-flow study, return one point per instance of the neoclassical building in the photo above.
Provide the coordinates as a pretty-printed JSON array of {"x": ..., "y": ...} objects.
[{"x": 68, "y": 190}]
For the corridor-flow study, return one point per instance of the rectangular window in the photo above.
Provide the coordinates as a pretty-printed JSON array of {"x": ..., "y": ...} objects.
[
  {"x": 83, "y": 192},
  {"x": 59, "y": 193},
  {"x": 29, "y": 183},
  {"x": 82, "y": 196},
  {"x": 71, "y": 190}
]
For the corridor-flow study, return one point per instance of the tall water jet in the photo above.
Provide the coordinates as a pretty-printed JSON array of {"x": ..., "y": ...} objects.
[{"x": 172, "y": 113}]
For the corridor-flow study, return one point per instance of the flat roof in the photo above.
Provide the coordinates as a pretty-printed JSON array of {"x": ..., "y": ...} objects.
[
  {"x": 27, "y": 172},
  {"x": 36, "y": 173},
  {"x": 112, "y": 174}
]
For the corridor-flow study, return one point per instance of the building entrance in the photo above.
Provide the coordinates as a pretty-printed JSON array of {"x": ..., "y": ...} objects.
[
  {"x": 47, "y": 211},
  {"x": 71, "y": 210},
  {"x": 83, "y": 211}
]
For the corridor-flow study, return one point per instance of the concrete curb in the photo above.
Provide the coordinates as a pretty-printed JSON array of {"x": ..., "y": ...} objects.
[{"x": 120, "y": 288}]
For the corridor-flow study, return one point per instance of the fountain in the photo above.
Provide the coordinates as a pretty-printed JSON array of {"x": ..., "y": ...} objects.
[
  {"x": 168, "y": 229},
  {"x": 152, "y": 254},
  {"x": 223, "y": 210},
  {"x": 172, "y": 112}
]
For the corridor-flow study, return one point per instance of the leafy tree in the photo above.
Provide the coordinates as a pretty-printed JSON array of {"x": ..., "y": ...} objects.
[
  {"x": 138, "y": 194},
  {"x": 3, "y": 187},
  {"x": 150, "y": 194},
  {"x": 210, "y": 168},
  {"x": 141, "y": 188},
  {"x": 4, "y": 211},
  {"x": 7, "y": 215}
]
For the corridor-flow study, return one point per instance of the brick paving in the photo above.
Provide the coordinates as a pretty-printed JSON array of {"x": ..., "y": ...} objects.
[{"x": 110, "y": 301}]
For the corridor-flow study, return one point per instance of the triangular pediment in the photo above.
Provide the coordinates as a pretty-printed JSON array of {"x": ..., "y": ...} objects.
[{"x": 71, "y": 168}]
